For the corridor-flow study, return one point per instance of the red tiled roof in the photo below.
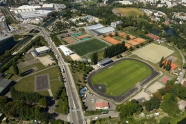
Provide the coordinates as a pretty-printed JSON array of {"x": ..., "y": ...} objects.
[{"x": 101, "y": 104}]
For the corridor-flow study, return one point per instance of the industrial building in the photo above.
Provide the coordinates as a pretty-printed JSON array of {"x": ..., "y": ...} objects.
[
  {"x": 65, "y": 50},
  {"x": 104, "y": 62},
  {"x": 35, "y": 14},
  {"x": 59, "y": 7},
  {"x": 40, "y": 51},
  {"x": 99, "y": 29},
  {"x": 48, "y": 6},
  {"x": 5, "y": 86},
  {"x": 26, "y": 8}
]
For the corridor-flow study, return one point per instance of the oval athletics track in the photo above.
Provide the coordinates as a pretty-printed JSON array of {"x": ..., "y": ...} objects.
[{"x": 126, "y": 94}]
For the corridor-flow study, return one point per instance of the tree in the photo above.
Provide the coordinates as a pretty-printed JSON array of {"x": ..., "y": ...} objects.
[
  {"x": 165, "y": 120},
  {"x": 15, "y": 68},
  {"x": 57, "y": 122},
  {"x": 127, "y": 37},
  {"x": 94, "y": 58},
  {"x": 169, "y": 104},
  {"x": 129, "y": 108},
  {"x": 116, "y": 33},
  {"x": 161, "y": 62},
  {"x": 43, "y": 102}
]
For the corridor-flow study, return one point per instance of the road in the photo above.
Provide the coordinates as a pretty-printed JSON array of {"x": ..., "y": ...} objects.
[
  {"x": 76, "y": 114},
  {"x": 183, "y": 70}
]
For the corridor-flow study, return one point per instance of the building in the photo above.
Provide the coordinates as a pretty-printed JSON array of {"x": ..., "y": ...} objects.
[
  {"x": 48, "y": 6},
  {"x": 35, "y": 14},
  {"x": 116, "y": 24},
  {"x": 125, "y": 2},
  {"x": 65, "y": 50},
  {"x": 182, "y": 105},
  {"x": 5, "y": 86},
  {"x": 102, "y": 105},
  {"x": 59, "y": 7},
  {"x": 40, "y": 51},
  {"x": 104, "y": 62},
  {"x": 104, "y": 30},
  {"x": 94, "y": 27}
]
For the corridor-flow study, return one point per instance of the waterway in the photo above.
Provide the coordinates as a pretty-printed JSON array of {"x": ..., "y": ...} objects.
[
  {"x": 49, "y": 22},
  {"x": 23, "y": 41}
]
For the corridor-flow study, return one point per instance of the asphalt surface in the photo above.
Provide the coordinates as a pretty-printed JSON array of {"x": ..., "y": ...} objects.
[
  {"x": 76, "y": 114},
  {"x": 127, "y": 93}
]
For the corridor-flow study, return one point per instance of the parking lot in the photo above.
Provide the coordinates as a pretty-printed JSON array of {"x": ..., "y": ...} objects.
[{"x": 91, "y": 99}]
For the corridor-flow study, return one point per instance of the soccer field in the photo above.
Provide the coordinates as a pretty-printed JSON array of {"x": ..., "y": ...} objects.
[
  {"x": 130, "y": 11},
  {"x": 122, "y": 76},
  {"x": 88, "y": 47}
]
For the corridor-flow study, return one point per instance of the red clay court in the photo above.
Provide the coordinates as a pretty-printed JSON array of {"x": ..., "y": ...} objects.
[
  {"x": 127, "y": 45},
  {"x": 82, "y": 36},
  {"x": 111, "y": 40},
  {"x": 164, "y": 79},
  {"x": 173, "y": 65},
  {"x": 69, "y": 40},
  {"x": 133, "y": 42},
  {"x": 154, "y": 37},
  {"x": 122, "y": 33},
  {"x": 140, "y": 40}
]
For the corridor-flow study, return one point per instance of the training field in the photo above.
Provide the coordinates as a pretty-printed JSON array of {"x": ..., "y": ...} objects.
[
  {"x": 121, "y": 77},
  {"x": 89, "y": 46},
  {"x": 155, "y": 52},
  {"x": 129, "y": 11}
]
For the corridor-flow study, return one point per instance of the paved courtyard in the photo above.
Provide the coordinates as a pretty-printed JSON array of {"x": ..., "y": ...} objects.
[
  {"x": 153, "y": 52},
  {"x": 46, "y": 60},
  {"x": 155, "y": 87}
]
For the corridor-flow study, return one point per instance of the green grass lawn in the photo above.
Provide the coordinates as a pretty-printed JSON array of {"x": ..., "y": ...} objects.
[
  {"x": 27, "y": 84},
  {"x": 130, "y": 11},
  {"x": 122, "y": 76},
  {"x": 88, "y": 47}
]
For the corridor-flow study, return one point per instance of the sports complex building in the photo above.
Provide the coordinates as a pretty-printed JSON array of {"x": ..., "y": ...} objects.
[
  {"x": 5, "y": 86},
  {"x": 40, "y": 51},
  {"x": 99, "y": 29}
]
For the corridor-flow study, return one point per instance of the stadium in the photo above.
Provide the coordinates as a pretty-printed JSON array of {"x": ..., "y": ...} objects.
[{"x": 129, "y": 76}]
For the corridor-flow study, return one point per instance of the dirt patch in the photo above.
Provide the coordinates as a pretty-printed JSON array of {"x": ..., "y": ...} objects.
[
  {"x": 75, "y": 56},
  {"x": 69, "y": 40},
  {"x": 46, "y": 60}
]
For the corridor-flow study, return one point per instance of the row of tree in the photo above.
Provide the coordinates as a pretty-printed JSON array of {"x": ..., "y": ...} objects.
[
  {"x": 114, "y": 50},
  {"x": 94, "y": 58},
  {"x": 25, "y": 96}
]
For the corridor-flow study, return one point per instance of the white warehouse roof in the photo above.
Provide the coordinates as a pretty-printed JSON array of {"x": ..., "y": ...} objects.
[
  {"x": 35, "y": 14},
  {"x": 105, "y": 30},
  {"x": 41, "y": 49},
  {"x": 65, "y": 50},
  {"x": 48, "y": 6},
  {"x": 93, "y": 27},
  {"x": 28, "y": 7}
]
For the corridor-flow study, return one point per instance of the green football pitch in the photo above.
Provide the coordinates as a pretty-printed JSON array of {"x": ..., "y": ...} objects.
[
  {"x": 88, "y": 47},
  {"x": 121, "y": 77}
]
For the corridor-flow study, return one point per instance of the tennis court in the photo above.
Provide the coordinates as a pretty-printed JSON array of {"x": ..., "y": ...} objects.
[
  {"x": 111, "y": 40},
  {"x": 155, "y": 52},
  {"x": 133, "y": 42},
  {"x": 89, "y": 46},
  {"x": 140, "y": 40}
]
